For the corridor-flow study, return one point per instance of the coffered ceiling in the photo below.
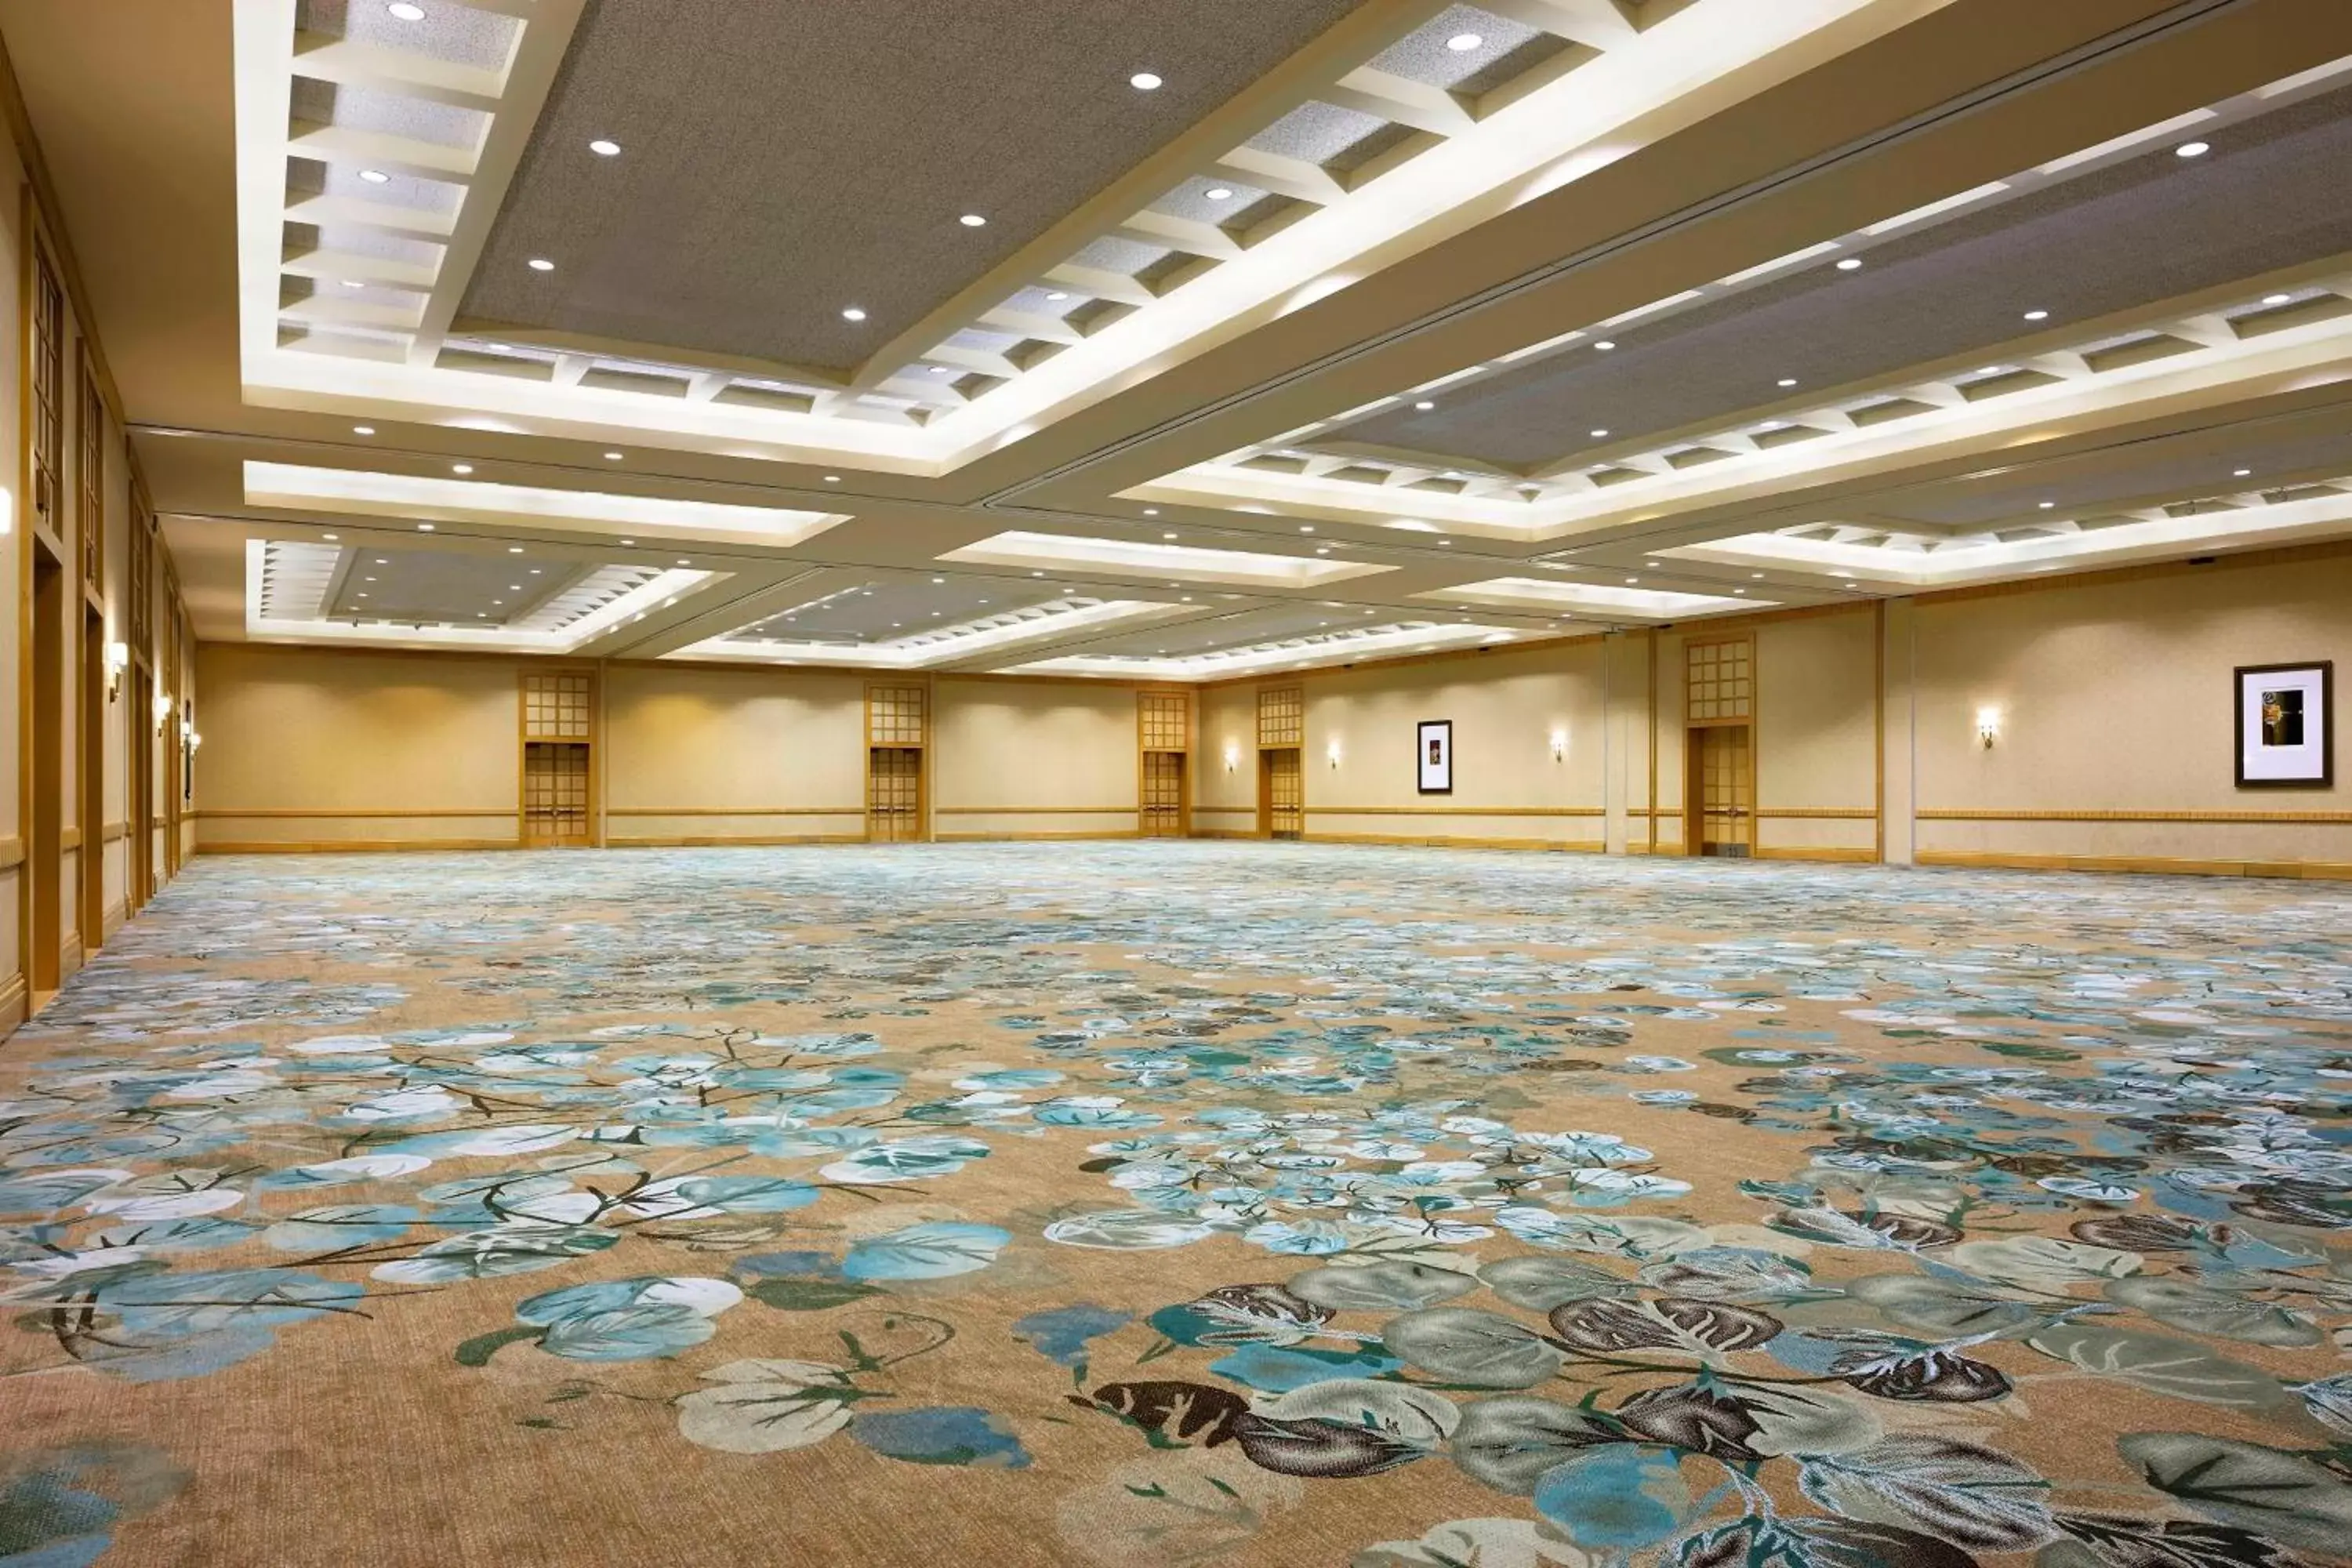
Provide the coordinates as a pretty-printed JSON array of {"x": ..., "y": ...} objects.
[{"x": 1107, "y": 339}]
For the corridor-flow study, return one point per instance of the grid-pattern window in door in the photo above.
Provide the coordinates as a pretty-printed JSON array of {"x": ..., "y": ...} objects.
[
  {"x": 894, "y": 715},
  {"x": 1719, "y": 681},
  {"x": 1281, "y": 715},
  {"x": 1163, "y": 794},
  {"x": 555, "y": 792},
  {"x": 142, "y": 573},
  {"x": 558, "y": 706},
  {"x": 1164, "y": 719},
  {"x": 89, "y": 489},
  {"x": 48, "y": 387}
]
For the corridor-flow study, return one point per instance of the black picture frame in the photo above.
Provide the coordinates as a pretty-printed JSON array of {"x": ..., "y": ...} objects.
[
  {"x": 1432, "y": 756},
  {"x": 2325, "y": 670}
]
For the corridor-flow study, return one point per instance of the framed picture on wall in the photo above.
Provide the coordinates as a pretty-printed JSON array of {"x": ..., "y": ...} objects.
[
  {"x": 2286, "y": 725},
  {"x": 1434, "y": 740}
]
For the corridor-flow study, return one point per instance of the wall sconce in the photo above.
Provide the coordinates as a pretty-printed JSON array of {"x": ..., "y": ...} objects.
[
  {"x": 118, "y": 659},
  {"x": 1333, "y": 754},
  {"x": 163, "y": 711},
  {"x": 1988, "y": 726},
  {"x": 1559, "y": 745},
  {"x": 1233, "y": 756}
]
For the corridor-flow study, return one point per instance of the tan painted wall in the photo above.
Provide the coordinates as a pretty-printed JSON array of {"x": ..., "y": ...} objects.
[
  {"x": 2116, "y": 697},
  {"x": 1504, "y": 709},
  {"x": 1022, "y": 759},
  {"x": 705, "y": 755},
  {"x": 305, "y": 747}
]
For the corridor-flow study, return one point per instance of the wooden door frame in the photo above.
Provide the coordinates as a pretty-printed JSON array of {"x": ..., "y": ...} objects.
[
  {"x": 43, "y": 877},
  {"x": 524, "y": 740},
  {"x": 920, "y": 746},
  {"x": 91, "y": 779}
]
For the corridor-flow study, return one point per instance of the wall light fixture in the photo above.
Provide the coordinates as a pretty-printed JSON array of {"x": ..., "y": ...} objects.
[
  {"x": 118, "y": 659},
  {"x": 1988, "y": 726},
  {"x": 1559, "y": 745}
]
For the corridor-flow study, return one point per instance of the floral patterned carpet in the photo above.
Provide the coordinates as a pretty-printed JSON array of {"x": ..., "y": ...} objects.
[{"x": 1182, "y": 1203}]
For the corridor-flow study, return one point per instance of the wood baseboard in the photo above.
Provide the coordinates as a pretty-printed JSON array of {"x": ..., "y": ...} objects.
[
  {"x": 1832, "y": 852},
  {"x": 1029, "y": 837},
  {"x": 111, "y": 922},
  {"x": 718, "y": 840},
  {"x": 349, "y": 845},
  {"x": 15, "y": 1001},
  {"x": 2145, "y": 865},
  {"x": 1460, "y": 841}
]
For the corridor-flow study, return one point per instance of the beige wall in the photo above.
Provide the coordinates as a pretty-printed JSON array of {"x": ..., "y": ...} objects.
[
  {"x": 1026, "y": 759},
  {"x": 304, "y": 747},
  {"x": 103, "y": 835},
  {"x": 2115, "y": 698},
  {"x": 2114, "y": 744},
  {"x": 702, "y": 755}
]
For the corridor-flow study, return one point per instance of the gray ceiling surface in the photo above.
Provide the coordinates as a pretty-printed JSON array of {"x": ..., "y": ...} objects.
[
  {"x": 2273, "y": 193},
  {"x": 447, "y": 587},
  {"x": 782, "y": 162}
]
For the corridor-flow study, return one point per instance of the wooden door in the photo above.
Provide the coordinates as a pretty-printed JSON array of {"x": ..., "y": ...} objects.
[
  {"x": 1723, "y": 783},
  {"x": 90, "y": 773},
  {"x": 1163, "y": 794},
  {"x": 893, "y": 795},
  {"x": 555, "y": 796},
  {"x": 1281, "y": 793}
]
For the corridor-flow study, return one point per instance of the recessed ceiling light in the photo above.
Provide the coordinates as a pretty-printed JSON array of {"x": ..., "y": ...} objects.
[
  {"x": 1425, "y": 404},
  {"x": 330, "y": 538},
  {"x": 2192, "y": 149},
  {"x": 1167, "y": 536},
  {"x": 1632, "y": 579},
  {"x": 684, "y": 562},
  {"x": 367, "y": 579},
  {"x": 1220, "y": 194},
  {"x": 376, "y": 177},
  {"x": 833, "y": 479},
  {"x": 535, "y": 572},
  {"x": 605, "y": 149},
  {"x": 2242, "y": 473},
  {"x": 1758, "y": 576},
  {"x": 1600, "y": 434},
  {"x": 363, "y": 429},
  {"x": 973, "y": 220},
  {"x": 1850, "y": 264},
  {"x": 1144, "y": 81},
  {"x": 1037, "y": 573},
  {"x": 514, "y": 549},
  {"x": 424, "y": 528},
  {"x": 628, "y": 542},
  {"x": 2037, "y": 315},
  {"x": 461, "y": 468},
  {"x": 2278, "y": 298},
  {"x": 1787, "y": 381},
  {"x": 939, "y": 370},
  {"x": 498, "y": 601},
  {"x": 1151, "y": 512},
  {"x": 353, "y": 283},
  {"x": 363, "y": 594},
  {"x": 1463, "y": 43},
  {"x": 1740, "y": 590},
  {"x": 540, "y": 264},
  {"x": 1770, "y": 424},
  {"x": 1604, "y": 345},
  {"x": 2047, "y": 505},
  {"x": 1306, "y": 528},
  {"x": 406, "y": 12},
  {"x": 612, "y": 456},
  {"x": 852, "y": 314},
  {"x": 1057, "y": 296}
]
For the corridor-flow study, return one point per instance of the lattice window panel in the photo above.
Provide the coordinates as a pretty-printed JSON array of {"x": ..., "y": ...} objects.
[
  {"x": 1719, "y": 681},
  {"x": 48, "y": 387},
  {"x": 1164, "y": 719},
  {"x": 90, "y": 489},
  {"x": 1282, "y": 716},
  {"x": 561, "y": 705},
  {"x": 1163, "y": 794},
  {"x": 555, "y": 792},
  {"x": 893, "y": 795},
  {"x": 895, "y": 715}
]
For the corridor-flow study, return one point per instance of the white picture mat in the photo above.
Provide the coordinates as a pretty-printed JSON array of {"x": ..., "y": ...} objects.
[
  {"x": 2307, "y": 761},
  {"x": 1436, "y": 777}
]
